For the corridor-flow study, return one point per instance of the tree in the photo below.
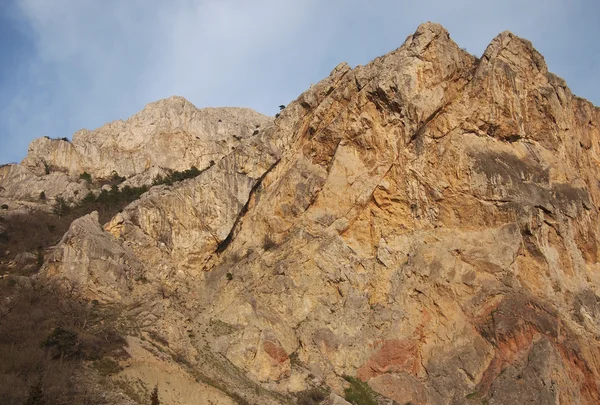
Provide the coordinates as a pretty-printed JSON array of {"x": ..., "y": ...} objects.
[
  {"x": 61, "y": 207},
  {"x": 154, "y": 397},
  {"x": 281, "y": 107}
]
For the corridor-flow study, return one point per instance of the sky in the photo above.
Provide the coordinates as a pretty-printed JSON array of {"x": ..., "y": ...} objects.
[{"x": 72, "y": 64}]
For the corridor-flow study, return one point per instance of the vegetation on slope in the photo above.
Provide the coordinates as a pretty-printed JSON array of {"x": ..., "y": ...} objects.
[
  {"x": 39, "y": 230},
  {"x": 47, "y": 341},
  {"x": 359, "y": 392}
]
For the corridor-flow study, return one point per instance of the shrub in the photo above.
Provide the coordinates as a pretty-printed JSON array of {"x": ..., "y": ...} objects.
[
  {"x": 4, "y": 206},
  {"x": 229, "y": 276},
  {"x": 281, "y": 107},
  {"x": 43, "y": 196},
  {"x": 472, "y": 395},
  {"x": 312, "y": 396},
  {"x": 86, "y": 176},
  {"x": 107, "y": 366},
  {"x": 61, "y": 207},
  {"x": 359, "y": 392},
  {"x": 63, "y": 342},
  {"x": 177, "y": 176}
]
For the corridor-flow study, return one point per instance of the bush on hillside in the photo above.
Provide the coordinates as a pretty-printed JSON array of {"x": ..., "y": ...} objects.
[{"x": 86, "y": 176}]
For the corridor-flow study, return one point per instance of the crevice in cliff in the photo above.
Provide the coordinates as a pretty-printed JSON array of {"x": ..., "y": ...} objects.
[
  {"x": 417, "y": 137},
  {"x": 227, "y": 241}
]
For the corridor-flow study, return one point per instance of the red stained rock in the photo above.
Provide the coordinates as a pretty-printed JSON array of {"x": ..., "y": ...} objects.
[
  {"x": 391, "y": 356},
  {"x": 275, "y": 351}
]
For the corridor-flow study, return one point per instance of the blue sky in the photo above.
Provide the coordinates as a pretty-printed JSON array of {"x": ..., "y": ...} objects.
[{"x": 72, "y": 64}]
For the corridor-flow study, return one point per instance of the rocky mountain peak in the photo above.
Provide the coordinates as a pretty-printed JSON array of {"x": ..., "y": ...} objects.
[
  {"x": 167, "y": 135},
  {"x": 427, "y": 33},
  {"x": 422, "y": 229},
  {"x": 516, "y": 52},
  {"x": 170, "y": 133}
]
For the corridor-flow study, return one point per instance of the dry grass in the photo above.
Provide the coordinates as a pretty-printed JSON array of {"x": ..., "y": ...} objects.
[{"x": 45, "y": 340}]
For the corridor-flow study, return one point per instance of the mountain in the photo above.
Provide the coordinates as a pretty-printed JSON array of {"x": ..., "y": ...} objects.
[
  {"x": 169, "y": 134},
  {"x": 422, "y": 229}
]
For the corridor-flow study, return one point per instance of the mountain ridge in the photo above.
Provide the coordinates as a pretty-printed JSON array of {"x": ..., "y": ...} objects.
[{"x": 425, "y": 223}]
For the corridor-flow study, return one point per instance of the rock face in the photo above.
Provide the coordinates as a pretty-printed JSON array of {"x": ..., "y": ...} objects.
[
  {"x": 427, "y": 223},
  {"x": 169, "y": 134},
  {"x": 96, "y": 262},
  {"x": 19, "y": 183}
]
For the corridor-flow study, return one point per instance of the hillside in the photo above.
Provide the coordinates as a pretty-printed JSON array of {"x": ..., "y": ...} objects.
[{"x": 422, "y": 229}]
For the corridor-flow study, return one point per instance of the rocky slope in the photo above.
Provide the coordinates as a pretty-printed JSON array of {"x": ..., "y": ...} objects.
[{"x": 426, "y": 223}]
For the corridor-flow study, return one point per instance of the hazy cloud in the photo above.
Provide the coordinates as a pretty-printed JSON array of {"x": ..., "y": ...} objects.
[{"x": 83, "y": 63}]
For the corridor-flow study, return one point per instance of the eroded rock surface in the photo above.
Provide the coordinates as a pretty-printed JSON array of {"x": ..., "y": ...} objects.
[
  {"x": 170, "y": 134},
  {"x": 427, "y": 223}
]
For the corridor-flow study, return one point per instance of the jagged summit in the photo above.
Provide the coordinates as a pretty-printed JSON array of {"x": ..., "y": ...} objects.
[{"x": 426, "y": 223}]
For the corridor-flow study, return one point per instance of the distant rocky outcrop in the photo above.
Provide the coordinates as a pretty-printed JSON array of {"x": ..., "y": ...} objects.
[
  {"x": 169, "y": 134},
  {"x": 426, "y": 224}
]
